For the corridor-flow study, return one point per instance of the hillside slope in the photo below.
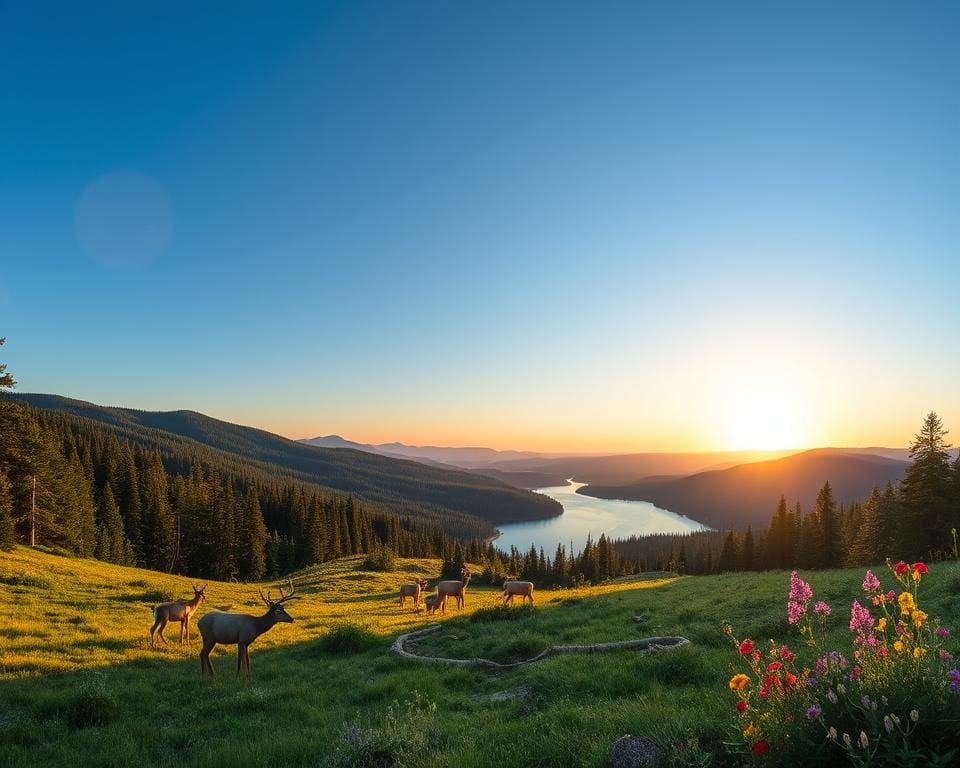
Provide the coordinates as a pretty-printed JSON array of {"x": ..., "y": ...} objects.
[
  {"x": 747, "y": 494},
  {"x": 404, "y": 487}
]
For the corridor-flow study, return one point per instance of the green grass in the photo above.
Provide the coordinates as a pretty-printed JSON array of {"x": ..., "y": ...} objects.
[{"x": 80, "y": 685}]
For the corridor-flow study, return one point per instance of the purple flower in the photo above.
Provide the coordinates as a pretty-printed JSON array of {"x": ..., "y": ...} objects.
[
  {"x": 821, "y": 608},
  {"x": 945, "y": 656},
  {"x": 860, "y": 618},
  {"x": 943, "y": 632},
  {"x": 954, "y": 677},
  {"x": 870, "y": 582},
  {"x": 813, "y": 712}
]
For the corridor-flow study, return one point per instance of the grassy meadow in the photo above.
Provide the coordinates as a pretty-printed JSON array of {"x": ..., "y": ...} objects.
[{"x": 80, "y": 684}]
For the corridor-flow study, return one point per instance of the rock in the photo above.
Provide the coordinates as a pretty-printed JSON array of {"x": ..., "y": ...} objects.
[
  {"x": 632, "y": 752},
  {"x": 511, "y": 693}
]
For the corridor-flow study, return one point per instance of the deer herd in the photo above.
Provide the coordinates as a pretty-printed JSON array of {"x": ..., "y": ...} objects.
[{"x": 241, "y": 629}]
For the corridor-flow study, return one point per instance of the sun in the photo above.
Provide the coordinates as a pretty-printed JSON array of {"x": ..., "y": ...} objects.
[{"x": 763, "y": 421}]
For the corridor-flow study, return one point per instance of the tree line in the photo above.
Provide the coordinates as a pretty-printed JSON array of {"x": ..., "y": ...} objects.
[
  {"x": 70, "y": 483},
  {"x": 918, "y": 519}
]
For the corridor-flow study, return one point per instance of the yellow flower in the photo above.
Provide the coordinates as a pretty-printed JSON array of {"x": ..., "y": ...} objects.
[
  {"x": 882, "y": 623},
  {"x": 916, "y": 576},
  {"x": 906, "y": 603},
  {"x": 919, "y": 617},
  {"x": 739, "y": 681},
  {"x": 897, "y": 646},
  {"x": 750, "y": 730},
  {"x": 918, "y": 652}
]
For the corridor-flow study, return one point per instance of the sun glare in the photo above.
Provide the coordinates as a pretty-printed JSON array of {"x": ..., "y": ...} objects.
[{"x": 761, "y": 421}]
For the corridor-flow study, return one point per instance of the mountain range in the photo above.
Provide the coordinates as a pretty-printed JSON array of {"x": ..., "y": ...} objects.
[
  {"x": 464, "y": 503},
  {"x": 747, "y": 494}
]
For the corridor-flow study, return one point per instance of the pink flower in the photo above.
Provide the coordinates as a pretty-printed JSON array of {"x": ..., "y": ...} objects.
[
  {"x": 795, "y": 611},
  {"x": 799, "y": 589},
  {"x": 891, "y": 596},
  {"x": 860, "y": 618},
  {"x": 821, "y": 608},
  {"x": 786, "y": 654},
  {"x": 870, "y": 582},
  {"x": 943, "y": 632}
]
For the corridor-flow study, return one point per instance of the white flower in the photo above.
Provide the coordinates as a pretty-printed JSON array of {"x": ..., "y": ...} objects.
[
  {"x": 864, "y": 741},
  {"x": 832, "y": 734},
  {"x": 847, "y": 740},
  {"x": 841, "y": 689},
  {"x": 914, "y": 715},
  {"x": 895, "y": 719},
  {"x": 888, "y": 723},
  {"x": 832, "y": 696}
]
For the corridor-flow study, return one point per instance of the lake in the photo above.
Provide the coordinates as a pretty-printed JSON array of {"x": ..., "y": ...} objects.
[{"x": 584, "y": 515}]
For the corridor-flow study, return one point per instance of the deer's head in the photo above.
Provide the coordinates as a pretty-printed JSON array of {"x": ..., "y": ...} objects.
[
  {"x": 275, "y": 607},
  {"x": 199, "y": 593}
]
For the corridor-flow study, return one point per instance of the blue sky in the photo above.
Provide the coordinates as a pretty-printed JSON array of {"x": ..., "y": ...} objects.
[{"x": 534, "y": 225}]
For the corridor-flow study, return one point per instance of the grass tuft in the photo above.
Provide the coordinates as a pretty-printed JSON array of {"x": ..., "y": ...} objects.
[
  {"x": 345, "y": 639},
  {"x": 502, "y": 613}
]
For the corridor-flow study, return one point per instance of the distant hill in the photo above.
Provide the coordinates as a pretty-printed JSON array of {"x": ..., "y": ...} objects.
[
  {"x": 466, "y": 458},
  {"x": 400, "y": 486},
  {"x": 747, "y": 494}
]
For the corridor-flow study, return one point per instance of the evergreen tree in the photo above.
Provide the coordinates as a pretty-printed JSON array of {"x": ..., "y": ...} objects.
[
  {"x": 252, "y": 538},
  {"x": 926, "y": 491},
  {"x": 810, "y": 547},
  {"x": 8, "y": 536},
  {"x": 831, "y": 533},
  {"x": 865, "y": 546},
  {"x": 112, "y": 544},
  {"x": 748, "y": 556},
  {"x": 729, "y": 554}
]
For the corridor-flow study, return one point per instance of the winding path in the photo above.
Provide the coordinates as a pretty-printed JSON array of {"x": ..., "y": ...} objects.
[{"x": 646, "y": 645}]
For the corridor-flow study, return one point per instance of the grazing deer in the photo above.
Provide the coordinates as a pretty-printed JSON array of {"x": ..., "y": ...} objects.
[
  {"x": 433, "y": 602},
  {"x": 513, "y": 588},
  {"x": 454, "y": 589},
  {"x": 181, "y": 611},
  {"x": 412, "y": 590},
  {"x": 241, "y": 629}
]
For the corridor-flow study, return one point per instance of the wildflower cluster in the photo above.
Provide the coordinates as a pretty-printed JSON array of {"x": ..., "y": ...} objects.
[{"x": 865, "y": 705}]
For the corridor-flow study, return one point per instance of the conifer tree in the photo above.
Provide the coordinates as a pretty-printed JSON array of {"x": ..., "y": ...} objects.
[
  {"x": 865, "y": 545},
  {"x": 748, "y": 556},
  {"x": 112, "y": 545},
  {"x": 729, "y": 554},
  {"x": 8, "y": 536},
  {"x": 831, "y": 533},
  {"x": 926, "y": 491},
  {"x": 252, "y": 537}
]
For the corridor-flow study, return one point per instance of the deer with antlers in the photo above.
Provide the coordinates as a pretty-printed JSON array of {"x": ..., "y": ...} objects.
[
  {"x": 180, "y": 611},
  {"x": 241, "y": 629}
]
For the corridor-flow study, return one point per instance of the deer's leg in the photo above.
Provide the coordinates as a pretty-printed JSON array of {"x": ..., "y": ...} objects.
[
  {"x": 153, "y": 638},
  {"x": 246, "y": 658},
  {"x": 186, "y": 624},
  {"x": 163, "y": 624},
  {"x": 205, "y": 665},
  {"x": 240, "y": 648}
]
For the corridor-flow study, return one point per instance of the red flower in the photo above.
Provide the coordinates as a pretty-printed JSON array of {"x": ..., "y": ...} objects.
[
  {"x": 746, "y": 647},
  {"x": 764, "y": 692},
  {"x": 741, "y": 706},
  {"x": 755, "y": 655},
  {"x": 920, "y": 568},
  {"x": 773, "y": 666},
  {"x": 855, "y": 673},
  {"x": 901, "y": 568},
  {"x": 786, "y": 654},
  {"x": 760, "y": 748},
  {"x": 791, "y": 679}
]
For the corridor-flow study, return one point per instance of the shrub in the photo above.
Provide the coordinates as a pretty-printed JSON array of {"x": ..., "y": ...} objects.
[
  {"x": 90, "y": 706},
  {"x": 381, "y": 559},
  {"x": 348, "y": 638},
  {"x": 893, "y": 698},
  {"x": 404, "y": 736}
]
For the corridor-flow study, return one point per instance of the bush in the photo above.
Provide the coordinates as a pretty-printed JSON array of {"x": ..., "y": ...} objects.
[
  {"x": 405, "y": 735},
  {"x": 347, "y": 639},
  {"x": 892, "y": 698},
  {"x": 381, "y": 559},
  {"x": 91, "y": 706}
]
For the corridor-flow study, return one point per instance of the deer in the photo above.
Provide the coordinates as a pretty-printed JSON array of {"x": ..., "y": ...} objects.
[
  {"x": 513, "y": 588},
  {"x": 414, "y": 590},
  {"x": 180, "y": 611},
  {"x": 454, "y": 589},
  {"x": 241, "y": 629},
  {"x": 433, "y": 602}
]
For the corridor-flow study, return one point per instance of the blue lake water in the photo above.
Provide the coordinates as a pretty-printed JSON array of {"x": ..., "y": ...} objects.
[{"x": 584, "y": 515}]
